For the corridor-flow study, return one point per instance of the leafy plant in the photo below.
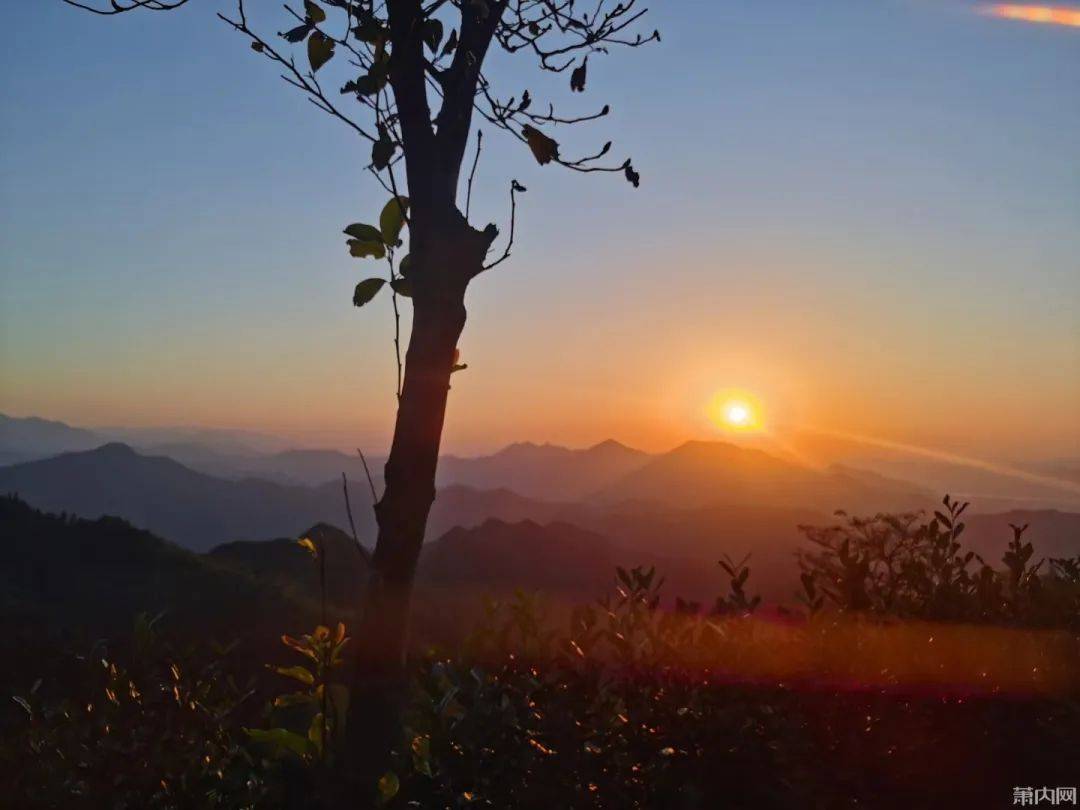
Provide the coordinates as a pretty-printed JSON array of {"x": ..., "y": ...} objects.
[{"x": 152, "y": 735}]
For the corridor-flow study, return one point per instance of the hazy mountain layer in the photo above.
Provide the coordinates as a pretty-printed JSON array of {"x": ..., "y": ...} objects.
[
  {"x": 700, "y": 474},
  {"x": 200, "y": 511}
]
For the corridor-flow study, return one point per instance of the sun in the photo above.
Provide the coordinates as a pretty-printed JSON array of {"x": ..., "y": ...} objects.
[{"x": 736, "y": 412}]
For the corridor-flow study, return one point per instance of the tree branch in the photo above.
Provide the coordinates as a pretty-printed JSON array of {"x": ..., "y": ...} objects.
[
  {"x": 472, "y": 174},
  {"x": 307, "y": 83},
  {"x": 515, "y": 187},
  {"x": 119, "y": 7}
]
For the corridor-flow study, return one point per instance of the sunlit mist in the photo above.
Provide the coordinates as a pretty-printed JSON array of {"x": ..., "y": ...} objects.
[
  {"x": 1053, "y": 15},
  {"x": 952, "y": 458}
]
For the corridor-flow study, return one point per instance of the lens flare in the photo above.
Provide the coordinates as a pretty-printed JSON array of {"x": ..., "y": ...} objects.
[
  {"x": 1063, "y": 484},
  {"x": 1052, "y": 15}
]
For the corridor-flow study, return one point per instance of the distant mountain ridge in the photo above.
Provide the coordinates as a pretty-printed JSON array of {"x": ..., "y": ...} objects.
[
  {"x": 286, "y": 565},
  {"x": 545, "y": 471},
  {"x": 555, "y": 473},
  {"x": 699, "y": 473},
  {"x": 199, "y": 511},
  {"x": 26, "y": 439}
]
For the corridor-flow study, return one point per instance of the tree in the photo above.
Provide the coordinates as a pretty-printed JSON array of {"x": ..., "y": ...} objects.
[{"x": 419, "y": 89}]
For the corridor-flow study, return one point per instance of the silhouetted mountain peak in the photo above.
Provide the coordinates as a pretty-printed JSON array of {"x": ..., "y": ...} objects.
[
  {"x": 335, "y": 538},
  {"x": 27, "y": 439},
  {"x": 701, "y": 452},
  {"x": 114, "y": 450},
  {"x": 529, "y": 450},
  {"x": 700, "y": 473},
  {"x": 614, "y": 447}
]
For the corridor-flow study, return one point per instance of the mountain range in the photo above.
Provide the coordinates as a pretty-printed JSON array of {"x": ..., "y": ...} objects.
[
  {"x": 524, "y": 512},
  {"x": 554, "y": 473},
  {"x": 200, "y": 511}
]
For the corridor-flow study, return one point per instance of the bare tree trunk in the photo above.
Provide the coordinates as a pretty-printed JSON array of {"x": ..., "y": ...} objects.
[{"x": 380, "y": 682}]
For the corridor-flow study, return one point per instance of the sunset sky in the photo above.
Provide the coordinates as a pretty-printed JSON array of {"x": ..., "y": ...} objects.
[{"x": 865, "y": 214}]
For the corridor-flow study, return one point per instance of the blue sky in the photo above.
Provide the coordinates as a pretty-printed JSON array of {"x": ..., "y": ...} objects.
[{"x": 866, "y": 213}]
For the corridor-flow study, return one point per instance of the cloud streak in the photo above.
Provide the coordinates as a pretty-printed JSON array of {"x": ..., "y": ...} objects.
[{"x": 1051, "y": 15}]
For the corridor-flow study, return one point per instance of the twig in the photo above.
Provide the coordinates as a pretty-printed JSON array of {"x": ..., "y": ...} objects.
[
  {"x": 382, "y": 95},
  {"x": 397, "y": 321},
  {"x": 308, "y": 84},
  {"x": 472, "y": 174},
  {"x": 367, "y": 472},
  {"x": 348, "y": 508},
  {"x": 119, "y": 8},
  {"x": 515, "y": 186}
]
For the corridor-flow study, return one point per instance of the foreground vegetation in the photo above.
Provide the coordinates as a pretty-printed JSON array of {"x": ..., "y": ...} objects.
[{"x": 913, "y": 674}]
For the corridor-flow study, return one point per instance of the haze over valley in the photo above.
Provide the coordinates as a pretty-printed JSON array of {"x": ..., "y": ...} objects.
[{"x": 582, "y": 510}]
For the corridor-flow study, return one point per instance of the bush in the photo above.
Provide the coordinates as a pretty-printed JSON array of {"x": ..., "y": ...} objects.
[
  {"x": 163, "y": 733},
  {"x": 918, "y": 675}
]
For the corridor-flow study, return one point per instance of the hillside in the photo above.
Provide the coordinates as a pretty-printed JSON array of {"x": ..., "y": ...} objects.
[
  {"x": 288, "y": 566},
  {"x": 85, "y": 579},
  {"x": 545, "y": 471},
  {"x": 160, "y": 495},
  {"x": 1053, "y": 533},
  {"x": 26, "y": 439},
  {"x": 558, "y": 559},
  {"x": 698, "y": 474},
  {"x": 500, "y": 557},
  {"x": 199, "y": 511}
]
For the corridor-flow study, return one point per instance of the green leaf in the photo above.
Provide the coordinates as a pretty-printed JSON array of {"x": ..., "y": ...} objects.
[
  {"x": 402, "y": 286},
  {"x": 370, "y": 29},
  {"x": 544, "y": 149},
  {"x": 432, "y": 31},
  {"x": 365, "y": 233},
  {"x": 366, "y": 290},
  {"x": 389, "y": 785},
  {"x": 297, "y": 34},
  {"x": 281, "y": 740},
  {"x": 293, "y": 699},
  {"x": 315, "y": 732},
  {"x": 404, "y": 265},
  {"x": 382, "y": 151},
  {"x": 313, "y": 12},
  {"x": 299, "y": 673},
  {"x": 360, "y": 248},
  {"x": 301, "y": 646},
  {"x": 371, "y": 83},
  {"x": 392, "y": 219},
  {"x": 319, "y": 50},
  {"x": 577, "y": 77}
]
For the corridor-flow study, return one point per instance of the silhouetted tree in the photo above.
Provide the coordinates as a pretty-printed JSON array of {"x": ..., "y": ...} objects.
[{"x": 416, "y": 70}]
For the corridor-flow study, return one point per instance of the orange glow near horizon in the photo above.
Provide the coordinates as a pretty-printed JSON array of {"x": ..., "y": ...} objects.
[
  {"x": 1062, "y": 484},
  {"x": 1053, "y": 15}
]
